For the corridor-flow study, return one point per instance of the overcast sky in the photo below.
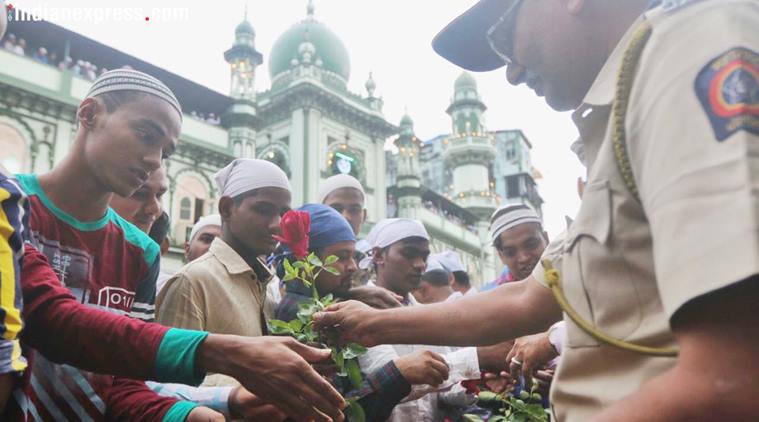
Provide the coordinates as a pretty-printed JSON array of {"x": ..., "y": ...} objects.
[{"x": 390, "y": 38}]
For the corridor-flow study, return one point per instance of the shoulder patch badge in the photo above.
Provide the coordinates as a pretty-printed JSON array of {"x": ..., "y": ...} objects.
[{"x": 728, "y": 88}]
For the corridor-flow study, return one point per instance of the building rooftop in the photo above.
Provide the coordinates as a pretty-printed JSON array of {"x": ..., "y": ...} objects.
[{"x": 61, "y": 41}]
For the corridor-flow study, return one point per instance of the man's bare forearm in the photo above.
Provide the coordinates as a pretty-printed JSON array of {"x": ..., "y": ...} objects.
[
  {"x": 211, "y": 355},
  {"x": 507, "y": 312},
  {"x": 717, "y": 374}
]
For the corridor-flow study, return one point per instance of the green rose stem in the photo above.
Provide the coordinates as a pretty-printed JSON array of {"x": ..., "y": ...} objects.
[{"x": 345, "y": 358}]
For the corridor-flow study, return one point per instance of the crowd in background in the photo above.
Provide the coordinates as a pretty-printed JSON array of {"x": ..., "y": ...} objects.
[{"x": 79, "y": 67}]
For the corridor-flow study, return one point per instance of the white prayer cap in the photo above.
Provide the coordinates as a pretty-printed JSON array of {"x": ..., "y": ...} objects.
[
  {"x": 392, "y": 230},
  {"x": 336, "y": 182},
  {"x": 133, "y": 80},
  {"x": 206, "y": 220},
  {"x": 449, "y": 260},
  {"x": 434, "y": 264},
  {"x": 245, "y": 174},
  {"x": 363, "y": 246},
  {"x": 509, "y": 216}
]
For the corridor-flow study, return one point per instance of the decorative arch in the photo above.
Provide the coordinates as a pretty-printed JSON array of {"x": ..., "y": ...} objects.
[
  {"x": 16, "y": 157},
  {"x": 357, "y": 170},
  {"x": 209, "y": 183},
  {"x": 278, "y": 154},
  {"x": 37, "y": 148},
  {"x": 192, "y": 196},
  {"x": 15, "y": 120}
]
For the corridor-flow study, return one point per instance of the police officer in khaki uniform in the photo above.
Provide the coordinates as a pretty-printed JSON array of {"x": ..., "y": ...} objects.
[{"x": 660, "y": 271}]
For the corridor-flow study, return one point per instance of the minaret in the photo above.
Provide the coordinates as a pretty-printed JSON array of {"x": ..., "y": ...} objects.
[
  {"x": 408, "y": 180},
  {"x": 374, "y": 102},
  {"x": 240, "y": 118},
  {"x": 470, "y": 150}
]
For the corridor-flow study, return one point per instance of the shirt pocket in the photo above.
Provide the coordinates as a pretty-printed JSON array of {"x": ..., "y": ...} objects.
[{"x": 596, "y": 278}]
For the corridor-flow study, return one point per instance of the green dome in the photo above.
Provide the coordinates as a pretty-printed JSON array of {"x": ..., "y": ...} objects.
[
  {"x": 328, "y": 46},
  {"x": 245, "y": 28},
  {"x": 406, "y": 120},
  {"x": 465, "y": 81}
]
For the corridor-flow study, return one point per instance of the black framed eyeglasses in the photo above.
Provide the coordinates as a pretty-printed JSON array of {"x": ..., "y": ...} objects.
[{"x": 500, "y": 36}]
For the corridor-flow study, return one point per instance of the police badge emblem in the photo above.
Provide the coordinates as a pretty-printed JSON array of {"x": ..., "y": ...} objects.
[{"x": 728, "y": 88}]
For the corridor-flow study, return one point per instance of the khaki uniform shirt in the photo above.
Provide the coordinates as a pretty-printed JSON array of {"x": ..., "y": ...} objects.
[
  {"x": 693, "y": 139},
  {"x": 219, "y": 293}
]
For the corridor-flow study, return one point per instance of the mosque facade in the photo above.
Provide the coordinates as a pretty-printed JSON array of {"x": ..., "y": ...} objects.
[{"x": 307, "y": 122}]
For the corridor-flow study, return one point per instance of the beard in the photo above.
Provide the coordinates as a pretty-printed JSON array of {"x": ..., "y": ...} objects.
[{"x": 525, "y": 271}]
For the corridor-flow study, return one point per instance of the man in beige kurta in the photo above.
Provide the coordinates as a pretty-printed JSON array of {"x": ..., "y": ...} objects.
[{"x": 224, "y": 290}]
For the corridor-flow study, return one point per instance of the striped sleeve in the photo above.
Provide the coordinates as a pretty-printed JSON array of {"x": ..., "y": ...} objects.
[
  {"x": 143, "y": 307},
  {"x": 13, "y": 219}
]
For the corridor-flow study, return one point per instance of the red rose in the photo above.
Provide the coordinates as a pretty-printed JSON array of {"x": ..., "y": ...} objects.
[
  {"x": 295, "y": 226},
  {"x": 471, "y": 386}
]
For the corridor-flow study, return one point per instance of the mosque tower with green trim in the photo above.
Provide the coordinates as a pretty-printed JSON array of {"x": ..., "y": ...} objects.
[
  {"x": 408, "y": 180},
  {"x": 470, "y": 150},
  {"x": 241, "y": 117},
  {"x": 312, "y": 125}
]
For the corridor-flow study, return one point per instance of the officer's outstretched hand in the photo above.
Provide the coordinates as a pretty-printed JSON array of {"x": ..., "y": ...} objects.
[
  {"x": 348, "y": 319},
  {"x": 529, "y": 354},
  {"x": 276, "y": 369}
]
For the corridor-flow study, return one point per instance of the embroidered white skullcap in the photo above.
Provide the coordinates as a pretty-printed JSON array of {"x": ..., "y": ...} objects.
[
  {"x": 434, "y": 264},
  {"x": 449, "y": 260},
  {"x": 245, "y": 174},
  {"x": 133, "y": 80},
  {"x": 336, "y": 182},
  {"x": 206, "y": 220},
  {"x": 509, "y": 216},
  {"x": 392, "y": 230},
  {"x": 363, "y": 246}
]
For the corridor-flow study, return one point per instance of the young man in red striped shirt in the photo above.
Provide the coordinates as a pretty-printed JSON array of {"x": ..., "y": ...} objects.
[{"x": 128, "y": 122}]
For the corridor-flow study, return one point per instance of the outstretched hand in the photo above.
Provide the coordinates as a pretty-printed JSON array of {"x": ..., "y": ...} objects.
[
  {"x": 276, "y": 369},
  {"x": 245, "y": 405},
  {"x": 423, "y": 367},
  {"x": 375, "y": 296},
  {"x": 528, "y": 354},
  {"x": 349, "y": 320}
]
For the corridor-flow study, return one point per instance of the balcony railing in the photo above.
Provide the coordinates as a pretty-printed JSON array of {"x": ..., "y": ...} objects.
[{"x": 63, "y": 85}]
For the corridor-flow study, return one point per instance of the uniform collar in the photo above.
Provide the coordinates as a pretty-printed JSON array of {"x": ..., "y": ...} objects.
[
  {"x": 601, "y": 93},
  {"x": 591, "y": 117},
  {"x": 234, "y": 263}
]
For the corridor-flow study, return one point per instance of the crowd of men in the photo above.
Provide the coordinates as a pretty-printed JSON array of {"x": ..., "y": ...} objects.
[{"x": 644, "y": 309}]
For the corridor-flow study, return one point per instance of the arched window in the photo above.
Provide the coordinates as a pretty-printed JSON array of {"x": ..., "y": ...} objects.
[
  {"x": 474, "y": 123},
  {"x": 14, "y": 150},
  {"x": 461, "y": 124},
  {"x": 191, "y": 201},
  {"x": 276, "y": 154},
  {"x": 185, "y": 209}
]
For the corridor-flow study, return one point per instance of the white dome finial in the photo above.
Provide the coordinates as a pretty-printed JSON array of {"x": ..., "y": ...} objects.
[{"x": 370, "y": 85}]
